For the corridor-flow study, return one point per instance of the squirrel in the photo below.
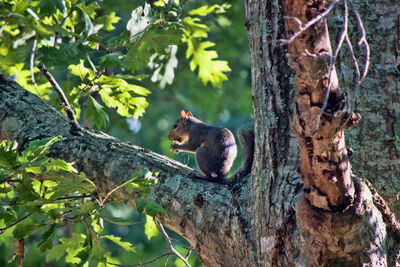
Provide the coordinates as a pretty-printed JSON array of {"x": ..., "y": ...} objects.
[{"x": 215, "y": 147}]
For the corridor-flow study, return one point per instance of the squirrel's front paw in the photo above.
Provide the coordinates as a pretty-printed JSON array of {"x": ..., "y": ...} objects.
[{"x": 174, "y": 148}]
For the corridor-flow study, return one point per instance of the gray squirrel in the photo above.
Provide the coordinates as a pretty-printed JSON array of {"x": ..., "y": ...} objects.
[{"x": 214, "y": 146}]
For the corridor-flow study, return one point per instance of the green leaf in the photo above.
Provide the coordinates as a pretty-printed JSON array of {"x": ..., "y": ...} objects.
[
  {"x": 118, "y": 41},
  {"x": 98, "y": 252},
  {"x": 59, "y": 164},
  {"x": 150, "y": 228},
  {"x": 117, "y": 93},
  {"x": 26, "y": 228},
  {"x": 210, "y": 70},
  {"x": 108, "y": 216},
  {"x": 20, "y": 6},
  {"x": 117, "y": 240},
  {"x": 110, "y": 60},
  {"x": 66, "y": 185},
  {"x": 46, "y": 242},
  {"x": 8, "y": 215},
  {"x": 206, "y": 9},
  {"x": 107, "y": 21},
  {"x": 89, "y": 27},
  {"x": 155, "y": 40},
  {"x": 39, "y": 148},
  {"x": 149, "y": 207},
  {"x": 140, "y": 184},
  {"x": 72, "y": 246},
  {"x": 95, "y": 111},
  {"x": 64, "y": 54},
  {"x": 80, "y": 70},
  {"x": 83, "y": 255},
  {"x": 49, "y": 7},
  {"x": 194, "y": 29},
  {"x": 8, "y": 156}
]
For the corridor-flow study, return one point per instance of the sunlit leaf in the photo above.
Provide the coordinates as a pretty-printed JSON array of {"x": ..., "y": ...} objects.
[
  {"x": 111, "y": 60},
  {"x": 27, "y": 227},
  {"x": 206, "y": 9},
  {"x": 154, "y": 40},
  {"x": 49, "y": 7},
  {"x": 107, "y": 21},
  {"x": 150, "y": 228},
  {"x": 149, "y": 207},
  {"x": 117, "y": 240},
  {"x": 96, "y": 112}
]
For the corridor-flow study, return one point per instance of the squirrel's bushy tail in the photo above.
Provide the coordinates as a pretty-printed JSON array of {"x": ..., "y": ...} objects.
[{"x": 246, "y": 139}]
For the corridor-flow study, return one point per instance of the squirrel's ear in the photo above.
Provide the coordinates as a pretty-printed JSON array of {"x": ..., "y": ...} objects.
[
  {"x": 189, "y": 114},
  {"x": 183, "y": 114}
]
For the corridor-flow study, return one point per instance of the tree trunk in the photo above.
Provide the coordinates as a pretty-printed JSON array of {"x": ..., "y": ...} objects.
[{"x": 265, "y": 219}]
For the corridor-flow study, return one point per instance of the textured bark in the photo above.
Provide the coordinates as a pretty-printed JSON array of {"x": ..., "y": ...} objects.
[
  {"x": 376, "y": 141},
  {"x": 356, "y": 229},
  {"x": 325, "y": 168},
  {"x": 206, "y": 214},
  {"x": 275, "y": 183}
]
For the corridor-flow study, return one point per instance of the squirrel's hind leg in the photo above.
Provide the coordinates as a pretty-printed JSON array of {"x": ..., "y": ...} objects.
[{"x": 207, "y": 163}]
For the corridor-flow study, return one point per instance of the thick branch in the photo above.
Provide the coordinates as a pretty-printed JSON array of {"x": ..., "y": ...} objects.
[
  {"x": 325, "y": 167},
  {"x": 205, "y": 213}
]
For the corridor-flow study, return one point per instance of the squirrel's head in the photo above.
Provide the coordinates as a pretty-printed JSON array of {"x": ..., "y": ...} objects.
[{"x": 179, "y": 132}]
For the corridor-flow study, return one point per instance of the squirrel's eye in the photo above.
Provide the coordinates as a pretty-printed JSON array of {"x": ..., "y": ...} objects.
[{"x": 174, "y": 126}]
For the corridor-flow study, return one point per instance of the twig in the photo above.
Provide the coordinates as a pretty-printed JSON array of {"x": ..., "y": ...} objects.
[
  {"x": 169, "y": 242},
  {"x": 32, "y": 63},
  {"x": 166, "y": 260},
  {"x": 75, "y": 197},
  {"x": 363, "y": 40},
  {"x": 343, "y": 36},
  {"x": 33, "y": 14},
  {"x": 32, "y": 60},
  {"x": 90, "y": 83},
  {"x": 61, "y": 95},
  {"x": 308, "y": 24},
  {"x": 116, "y": 188},
  {"x": 144, "y": 263},
  {"x": 2, "y": 230}
]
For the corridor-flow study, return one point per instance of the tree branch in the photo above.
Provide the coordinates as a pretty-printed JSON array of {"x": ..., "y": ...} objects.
[
  {"x": 198, "y": 210},
  {"x": 61, "y": 95}
]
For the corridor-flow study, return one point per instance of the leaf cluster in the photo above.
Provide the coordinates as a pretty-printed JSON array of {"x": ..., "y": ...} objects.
[
  {"x": 39, "y": 194},
  {"x": 64, "y": 34}
]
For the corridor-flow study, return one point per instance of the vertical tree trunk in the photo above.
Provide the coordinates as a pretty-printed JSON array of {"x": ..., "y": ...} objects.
[
  {"x": 325, "y": 167},
  {"x": 349, "y": 226},
  {"x": 274, "y": 182}
]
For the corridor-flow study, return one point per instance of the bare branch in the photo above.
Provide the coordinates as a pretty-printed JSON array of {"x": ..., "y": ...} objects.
[
  {"x": 363, "y": 40},
  {"x": 61, "y": 95},
  {"x": 307, "y": 25},
  {"x": 343, "y": 36},
  {"x": 169, "y": 242},
  {"x": 31, "y": 65},
  {"x": 32, "y": 59},
  {"x": 144, "y": 263},
  {"x": 2, "y": 230}
]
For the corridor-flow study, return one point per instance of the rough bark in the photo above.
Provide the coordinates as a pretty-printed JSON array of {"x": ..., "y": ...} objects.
[
  {"x": 347, "y": 227},
  {"x": 325, "y": 168},
  {"x": 206, "y": 214},
  {"x": 275, "y": 183},
  {"x": 376, "y": 140}
]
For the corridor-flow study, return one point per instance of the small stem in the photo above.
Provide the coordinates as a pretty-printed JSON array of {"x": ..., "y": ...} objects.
[
  {"x": 144, "y": 263},
  {"x": 61, "y": 95},
  {"x": 2, "y": 230},
  {"x": 169, "y": 242},
  {"x": 308, "y": 24},
  {"x": 32, "y": 63}
]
